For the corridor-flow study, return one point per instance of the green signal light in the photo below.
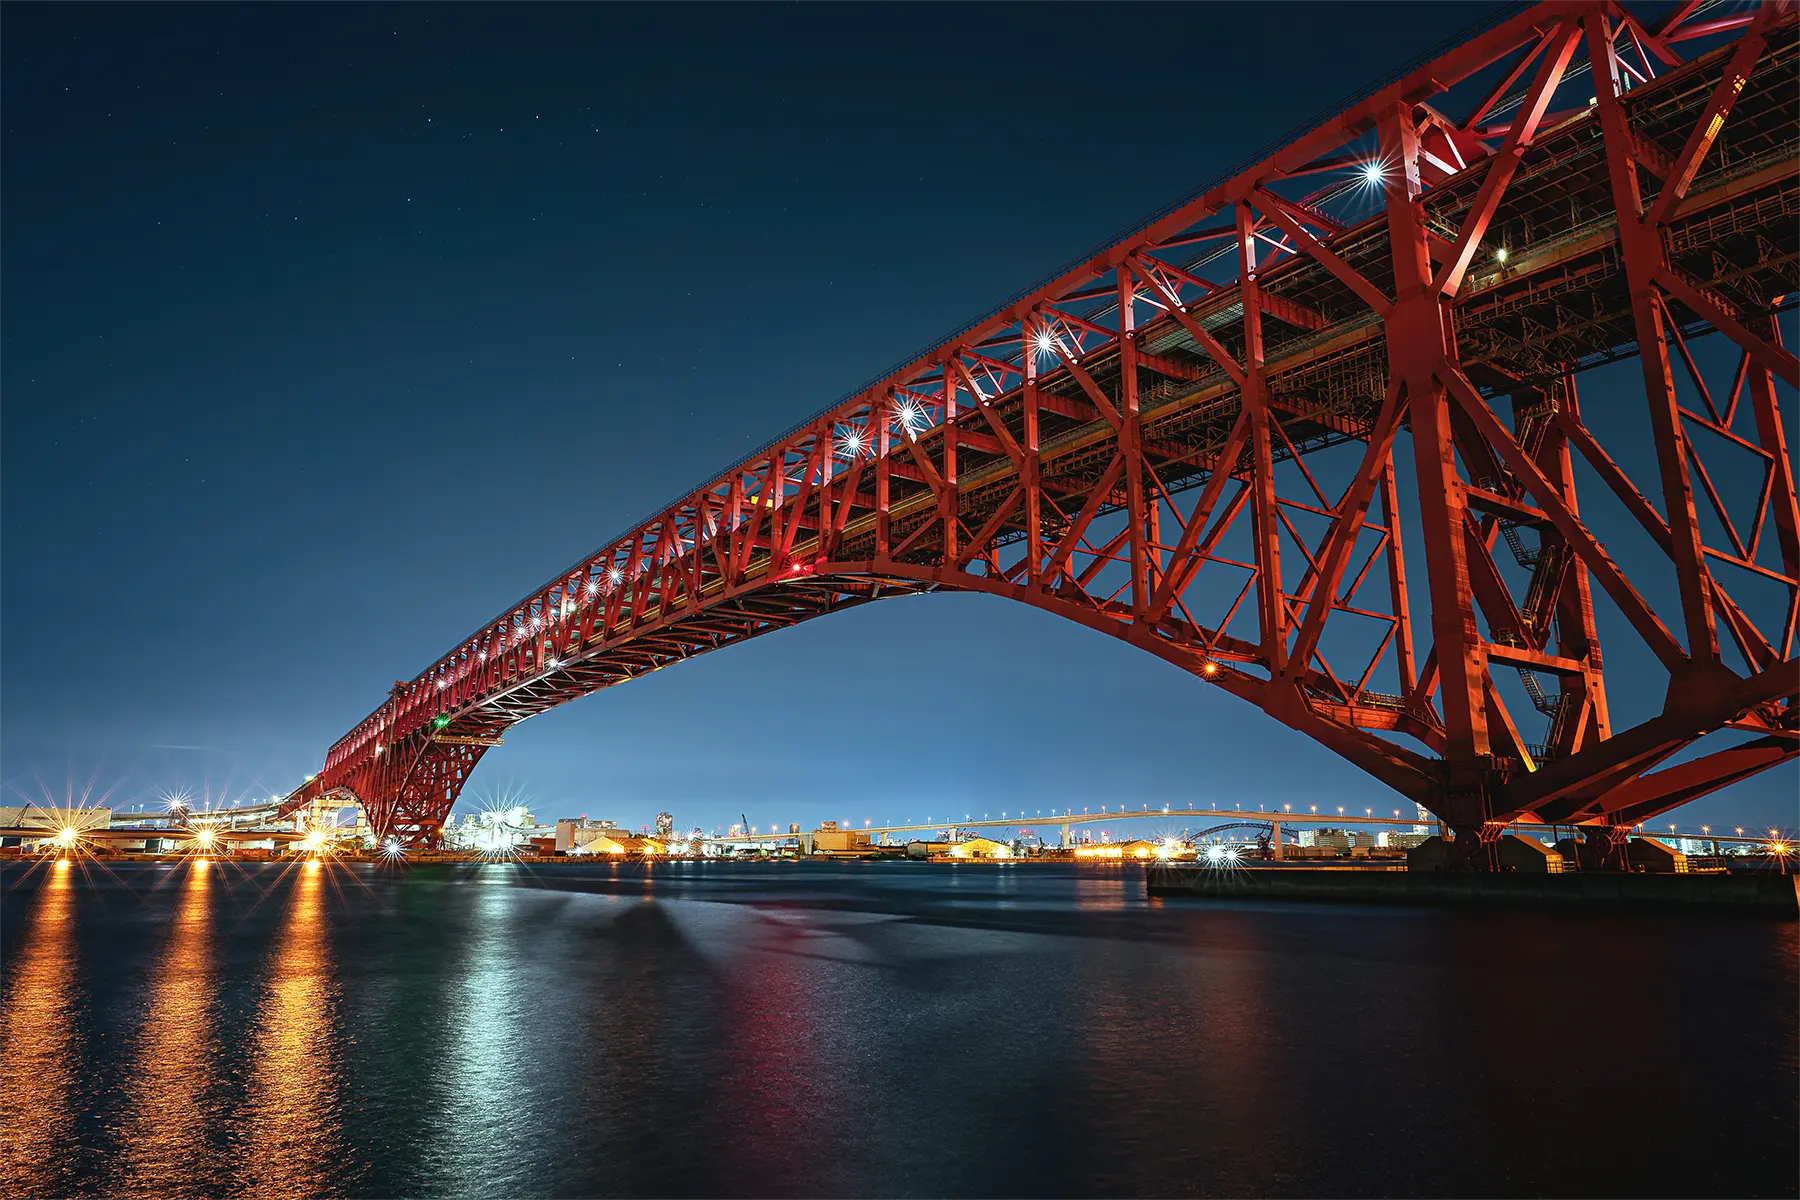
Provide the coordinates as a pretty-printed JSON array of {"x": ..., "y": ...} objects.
[{"x": 442, "y": 721}]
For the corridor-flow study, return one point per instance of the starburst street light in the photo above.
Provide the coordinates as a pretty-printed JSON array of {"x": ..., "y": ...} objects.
[
  {"x": 910, "y": 415},
  {"x": 851, "y": 443},
  {"x": 1373, "y": 173},
  {"x": 615, "y": 575}
]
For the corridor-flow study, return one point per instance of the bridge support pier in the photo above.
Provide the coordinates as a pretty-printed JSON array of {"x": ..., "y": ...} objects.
[
  {"x": 1602, "y": 848},
  {"x": 1475, "y": 847}
]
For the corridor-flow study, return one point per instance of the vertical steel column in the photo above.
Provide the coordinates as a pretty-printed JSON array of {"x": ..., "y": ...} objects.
[
  {"x": 1417, "y": 341},
  {"x": 947, "y": 499},
  {"x": 1396, "y": 564},
  {"x": 1641, "y": 247},
  {"x": 1034, "y": 509},
  {"x": 1265, "y": 522},
  {"x": 1577, "y": 636},
  {"x": 883, "y": 444},
  {"x": 1131, "y": 444}
]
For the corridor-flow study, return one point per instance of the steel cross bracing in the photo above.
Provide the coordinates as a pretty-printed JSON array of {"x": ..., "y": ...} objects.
[{"x": 1215, "y": 439}]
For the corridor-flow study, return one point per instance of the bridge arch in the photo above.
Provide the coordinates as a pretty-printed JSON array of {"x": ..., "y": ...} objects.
[{"x": 1141, "y": 444}]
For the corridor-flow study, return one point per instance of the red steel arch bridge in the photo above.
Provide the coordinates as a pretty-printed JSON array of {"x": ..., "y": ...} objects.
[{"x": 1230, "y": 435}]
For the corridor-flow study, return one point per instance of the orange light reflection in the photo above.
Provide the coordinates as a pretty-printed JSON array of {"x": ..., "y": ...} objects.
[
  {"x": 39, "y": 1045},
  {"x": 291, "y": 1134},
  {"x": 174, "y": 1070}
]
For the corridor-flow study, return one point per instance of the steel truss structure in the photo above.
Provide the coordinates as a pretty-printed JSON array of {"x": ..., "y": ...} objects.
[{"x": 1207, "y": 438}]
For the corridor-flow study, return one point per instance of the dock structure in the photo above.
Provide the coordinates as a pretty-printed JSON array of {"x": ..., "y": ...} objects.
[{"x": 1759, "y": 892}]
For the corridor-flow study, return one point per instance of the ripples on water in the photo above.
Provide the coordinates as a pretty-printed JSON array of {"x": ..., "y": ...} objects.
[{"x": 892, "y": 1029}]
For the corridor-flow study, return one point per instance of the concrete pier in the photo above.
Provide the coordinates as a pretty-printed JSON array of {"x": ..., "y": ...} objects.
[{"x": 1759, "y": 892}]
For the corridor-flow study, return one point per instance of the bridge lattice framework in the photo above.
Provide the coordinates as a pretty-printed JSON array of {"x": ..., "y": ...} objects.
[{"x": 1195, "y": 439}]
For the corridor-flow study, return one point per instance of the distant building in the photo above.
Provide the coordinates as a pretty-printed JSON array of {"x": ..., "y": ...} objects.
[
  {"x": 978, "y": 847},
  {"x": 1394, "y": 839},
  {"x": 1514, "y": 852},
  {"x": 665, "y": 825},
  {"x": 1650, "y": 854},
  {"x": 830, "y": 838},
  {"x": 926, "y": 849},
  {"x": 1337, "y": 839},
  {"x": 496, "y": 830},
  {"x": 1112, "y": 851},
  {"x": 616, "y": 844}
]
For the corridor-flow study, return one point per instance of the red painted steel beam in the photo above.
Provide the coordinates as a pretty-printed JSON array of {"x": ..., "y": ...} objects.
[{"x": 1040, "y": 453}]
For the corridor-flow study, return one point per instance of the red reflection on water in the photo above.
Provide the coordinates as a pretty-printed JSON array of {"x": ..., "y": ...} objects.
[
  {"x": 291, "y": 1134},
  {"x": 174, "y": 1072},
  {"x": 774, "y": 1085},
  {"x": 38, "y": 1044}
]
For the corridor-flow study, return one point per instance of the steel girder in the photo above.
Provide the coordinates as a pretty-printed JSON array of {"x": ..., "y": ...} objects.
[{"x": 1205, "y": 439}]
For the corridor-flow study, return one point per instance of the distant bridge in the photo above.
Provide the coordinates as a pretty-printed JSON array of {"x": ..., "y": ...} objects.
[
  {"x": 1189, "y": 438},
  {"x": 1068, "y": 820}
]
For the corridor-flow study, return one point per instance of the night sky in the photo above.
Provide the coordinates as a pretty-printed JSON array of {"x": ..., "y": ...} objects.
[{"x": 331, "y": 330}]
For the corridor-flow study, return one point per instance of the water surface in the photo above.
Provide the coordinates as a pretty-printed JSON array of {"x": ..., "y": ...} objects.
[{"x": 867, "y": 1029}]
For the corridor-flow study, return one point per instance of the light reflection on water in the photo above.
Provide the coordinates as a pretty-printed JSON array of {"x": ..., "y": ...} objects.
[
  {"x": 40, "y": 1048},
  {"x": 173, "y": 1076},
  {"x": 288, "y": 1132},
  {"x": 487, "y": 1034},
  {"x": 902, "y": 1029}
]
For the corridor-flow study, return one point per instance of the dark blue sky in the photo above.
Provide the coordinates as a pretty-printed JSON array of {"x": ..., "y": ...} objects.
[{"x": 330, "y": 330}]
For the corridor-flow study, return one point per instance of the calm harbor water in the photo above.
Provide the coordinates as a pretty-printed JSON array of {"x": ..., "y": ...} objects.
[{"x": 893, "y": 1029}]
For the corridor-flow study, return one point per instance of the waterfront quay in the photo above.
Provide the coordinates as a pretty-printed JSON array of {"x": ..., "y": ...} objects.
[{"x": 1239, "y": 859}]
